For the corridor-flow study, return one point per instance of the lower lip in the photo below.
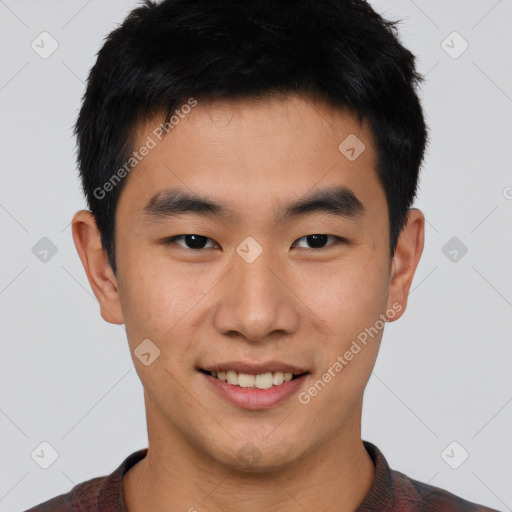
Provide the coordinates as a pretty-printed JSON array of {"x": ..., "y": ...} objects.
[{"x": 253, "y": 398}]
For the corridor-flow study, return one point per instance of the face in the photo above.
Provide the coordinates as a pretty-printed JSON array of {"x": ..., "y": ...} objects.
[{"x": 256, "y": 281}]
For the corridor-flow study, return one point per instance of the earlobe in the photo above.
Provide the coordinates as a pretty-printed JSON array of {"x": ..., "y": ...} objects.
[
  {"x": 87, "y": 239},
  {"x": 405, "y": 261}
]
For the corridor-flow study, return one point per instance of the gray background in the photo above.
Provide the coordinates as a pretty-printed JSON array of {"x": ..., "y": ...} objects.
[{"x": 443, "y": 374}]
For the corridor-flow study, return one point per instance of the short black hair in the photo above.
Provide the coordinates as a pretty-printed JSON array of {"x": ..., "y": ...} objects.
[{"x": 165, "y": 53}]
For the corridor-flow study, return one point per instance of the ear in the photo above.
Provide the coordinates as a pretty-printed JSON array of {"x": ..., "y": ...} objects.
[
  {"x": 407, "y": 256},
  {"x": 96, "y": 265}
]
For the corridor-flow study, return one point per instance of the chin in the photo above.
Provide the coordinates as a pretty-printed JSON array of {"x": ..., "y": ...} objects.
[{"x": 259, "y": 456}]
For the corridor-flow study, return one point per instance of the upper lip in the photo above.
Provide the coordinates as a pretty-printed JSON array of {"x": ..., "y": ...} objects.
[{"x": 254, "y": 368}]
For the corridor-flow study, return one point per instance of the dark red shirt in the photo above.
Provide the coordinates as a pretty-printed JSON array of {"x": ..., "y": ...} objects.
[{"x": 390, "y": 491}]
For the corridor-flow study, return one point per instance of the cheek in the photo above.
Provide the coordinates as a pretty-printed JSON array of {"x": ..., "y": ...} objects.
[
  {"x": 163, "y": 300},
  {"x": 153, "y": 297},
  {"x": 351, "y": 305},
  {"x": 348, "y": 296},
  {"x": 155, "y": 306}
]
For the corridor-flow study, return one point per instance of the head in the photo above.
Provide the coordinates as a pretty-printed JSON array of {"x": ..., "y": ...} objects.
[{"x": 288, "y": 137}]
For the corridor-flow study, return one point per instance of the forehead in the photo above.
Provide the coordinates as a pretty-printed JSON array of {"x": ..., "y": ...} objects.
[{"x": 255, "y": 154}]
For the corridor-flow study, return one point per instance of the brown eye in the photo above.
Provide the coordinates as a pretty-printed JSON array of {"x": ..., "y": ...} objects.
[
  {"x": 194, "y": 242},
  {"x": 319, "y": 241}
]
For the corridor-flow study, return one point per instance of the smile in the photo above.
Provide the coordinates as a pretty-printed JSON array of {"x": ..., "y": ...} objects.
[
  {"x": 259, "y": 390},
  {"x": 265, "y": 380}
]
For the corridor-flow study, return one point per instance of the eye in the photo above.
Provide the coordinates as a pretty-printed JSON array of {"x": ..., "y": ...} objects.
[
  {"x": 194, "y": 242},
  {"x": 198, "y": 242},
  {"x": 318, "y": 241}
]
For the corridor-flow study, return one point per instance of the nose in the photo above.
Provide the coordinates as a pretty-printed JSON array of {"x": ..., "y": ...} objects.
[{"x": 256, "y": 301}]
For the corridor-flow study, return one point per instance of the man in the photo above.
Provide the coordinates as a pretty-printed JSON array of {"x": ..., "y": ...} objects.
[{"x": 250, "y": 168}]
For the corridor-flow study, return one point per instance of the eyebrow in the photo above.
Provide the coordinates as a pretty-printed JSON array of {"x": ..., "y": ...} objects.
[{"x": 340, "y": 201}]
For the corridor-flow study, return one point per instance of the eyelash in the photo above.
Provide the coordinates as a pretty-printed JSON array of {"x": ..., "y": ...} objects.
[{"x": 337, "y": 240}]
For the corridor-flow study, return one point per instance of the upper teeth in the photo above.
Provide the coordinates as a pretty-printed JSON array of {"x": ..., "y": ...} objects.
[{"x": 261, "y": 381}]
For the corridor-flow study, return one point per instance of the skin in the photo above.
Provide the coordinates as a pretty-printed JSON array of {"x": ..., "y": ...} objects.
[{"x": 301, "y": 305}]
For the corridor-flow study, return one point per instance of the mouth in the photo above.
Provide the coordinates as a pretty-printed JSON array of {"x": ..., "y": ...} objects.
[
  {"x": 252, "y": 380},
  {"x": 256, "y": 387}
]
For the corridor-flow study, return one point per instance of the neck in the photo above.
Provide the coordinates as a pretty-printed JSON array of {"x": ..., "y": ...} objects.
[{"x": 174, "y": 475}]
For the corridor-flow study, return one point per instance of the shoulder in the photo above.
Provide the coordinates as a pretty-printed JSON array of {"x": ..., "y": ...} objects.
[
  {"x": 429, "y": 497},
  {"x": 103, "y": 493},
  {"x": 83, "y": 497},
  {"x": 62, "y": 503},
  {"x": 394, "y": 491},
  {"x": 414, "y": 495}
]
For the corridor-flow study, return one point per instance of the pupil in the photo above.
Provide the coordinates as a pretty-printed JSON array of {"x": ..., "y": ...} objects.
[
  {"x": 314, "y": 239},
  {"x": 198, "y": 241}
]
